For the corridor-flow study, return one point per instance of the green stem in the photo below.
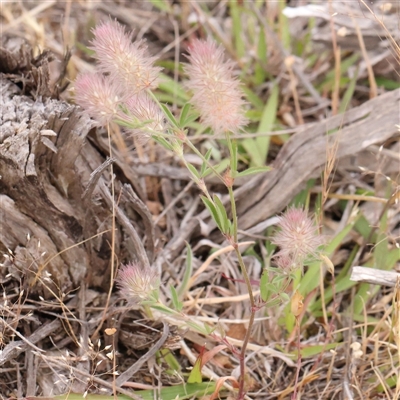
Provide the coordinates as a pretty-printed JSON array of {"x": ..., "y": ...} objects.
[
  {"x": 197, "y": 152},
  {"x": 246, "y": 277},
  {"x": 148, "y": 312},
  {"x": 189, "y": 143}
]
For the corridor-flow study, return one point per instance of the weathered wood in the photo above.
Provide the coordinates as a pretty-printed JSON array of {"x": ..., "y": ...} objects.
[
  {"x": 374, "y": 276},
  {"x": 300, "y": 159},
  {"x": 304, "y": 155},
  {"x": 55, "y": 236}
]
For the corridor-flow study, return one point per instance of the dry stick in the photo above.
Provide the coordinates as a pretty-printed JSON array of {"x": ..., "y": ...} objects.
[
  {"x": 13, "y": 349},
  {"x": 357, "y": 197},
  {"x": 289, "y": 61},
  {"x": 90, "y": 377},
  {"x": 31, "y": 13},
  {"x": 336, "y": 53},
  {"x": 213, "y": 256},
  {"x": 393, "y": 44},
  {"x": 124, "y": 377},
  {"x": 373, "y": 91},
  {"x": 84, "y": 363},
  {"x": 94, "y": 178},
  {"x": 123, "y": 219},
  {"x": 172, "y": 203},
  {"x": 219, "y": 300},
  {"x": 298, "y": 366},
  {"x": 374, "y": 276},
  {"x": 144, "y": 212}
]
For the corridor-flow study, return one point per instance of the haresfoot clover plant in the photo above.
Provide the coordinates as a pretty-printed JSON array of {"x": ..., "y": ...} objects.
[{"x": 120, "y": 91}]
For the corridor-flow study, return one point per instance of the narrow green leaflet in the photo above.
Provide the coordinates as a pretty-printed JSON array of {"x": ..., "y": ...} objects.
[
  {"x": 163, "y": 142},
  {"x": 188, "y": 272},
  {"x": 222, "y": 214},
  {"x": 193, "y": 171},
  {"x": 204, "y": 164},
  {"x": 253, "y": 170},
  {"x": 213, "y": 211},
  {"x": 169, "y": 115},
  {"x": 264, "y": 292},
  {"x": 178, "y": 305},
  {"x": 184, "y": 115},
  {"x": 178, "y": 392}
]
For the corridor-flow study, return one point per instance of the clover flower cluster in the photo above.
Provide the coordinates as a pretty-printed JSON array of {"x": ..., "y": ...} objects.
[
  {"x": 117, "y": 90},
  {"x": 297, "y": 238},
  {"x": 216, "y": 93},
  {"x": 120, "y": 91},
  {"x": 125, "y": 73},
  {"x": 136, "y": 283}
]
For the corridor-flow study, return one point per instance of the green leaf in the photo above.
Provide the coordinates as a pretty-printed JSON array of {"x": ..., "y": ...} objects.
[
  {"x": 195, "y": 374},
  {"x": 264, "y": 292},
  {"x": 203, "y": 329},
  {"x": 163, "y": 309},
  {"x": 169, "y": 115},
  {"x": 235, "y": 13},
  {"x": 204, "y": 164},
  {"x": 193, "y": 116},
  {"x": 184, "y": 113},
  {"x": 253, "y": 170},
  {"x": 162, "y": 5},
  {"x": 212, "y": 210},
  {"x": 257, "y": 148},
  {"x": 169, "y": 85},
  {"x": 188, "y": 272},
  {"x": 223, "y": 216},
  {"x": 170, "y": 359},
  {"x": 254, "y": 99},
  {"x": 163, "y": 142},
  {"x": 259, "y": 72},
  {"x": 218, "y": 167},
  {"x": 267, "y": 123},
  {"x": 284, "y": 296},
  {"x": 192, "y": 169},
  {"x": 348, "y": 95},
  {"x": 181, "y": 392},
  {"x": 178, "y": 305},
  {"x": 311, "y": 351}
]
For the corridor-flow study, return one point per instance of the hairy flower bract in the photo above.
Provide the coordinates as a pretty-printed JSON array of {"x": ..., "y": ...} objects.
[
  {"x": 144, "y": 116},
  {"x": 125, "y": 61},
  {"x": 99, "y": 95},
  {"x": 137, "y": 283},
  {"x": 216, "y": 92},
  {"x": 298, "y": 238}
]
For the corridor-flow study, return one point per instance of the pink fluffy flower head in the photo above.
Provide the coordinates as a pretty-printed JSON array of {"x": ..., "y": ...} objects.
[
  {"x": 216, "y": 92},
  {"x": 99, "y": 96},
  {"x": 298, "y": 238},
  {"x": 136, "y": 283},
  {"x": 125, "y": 61},
  {"x": 143, "y": 112}
]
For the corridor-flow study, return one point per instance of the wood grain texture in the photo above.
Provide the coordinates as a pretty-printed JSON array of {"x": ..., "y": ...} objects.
[{"x": 304, "y": 155}]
